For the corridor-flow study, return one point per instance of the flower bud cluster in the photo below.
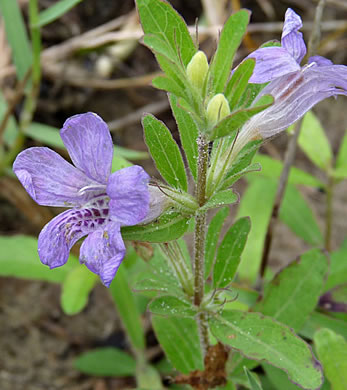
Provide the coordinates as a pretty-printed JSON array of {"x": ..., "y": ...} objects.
[{"x": 197, "y": 71}]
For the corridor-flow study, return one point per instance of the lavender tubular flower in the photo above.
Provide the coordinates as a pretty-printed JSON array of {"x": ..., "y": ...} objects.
[
  {"x": 100, "y": 202},
  {"x": 295, "y": 92}
]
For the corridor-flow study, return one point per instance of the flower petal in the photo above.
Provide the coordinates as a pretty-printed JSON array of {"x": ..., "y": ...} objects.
[
  {"x": 50, "y": 180},
  {"x": 292, "y": 40},
  {"x": 271, "y": 62},
  {"x": 103, "y": 251},
  {"x": 295, "y": 94},
  {"x": 89, "y": 143},
  {"x": 62, "y": 232},
  {"x": 129, "y": 195},
  {"x": 320, "y": 61}
]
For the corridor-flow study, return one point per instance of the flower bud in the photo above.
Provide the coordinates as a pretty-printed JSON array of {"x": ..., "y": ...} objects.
[
  {"x": 197, "y": 69},
  {"x": 217, "y": 108}
]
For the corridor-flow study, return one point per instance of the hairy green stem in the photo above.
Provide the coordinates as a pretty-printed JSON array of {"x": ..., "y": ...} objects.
[{"x": 199, "y": 238}]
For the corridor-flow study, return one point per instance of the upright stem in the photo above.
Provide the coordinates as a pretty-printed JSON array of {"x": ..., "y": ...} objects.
[{"x": 199, "y": 238}]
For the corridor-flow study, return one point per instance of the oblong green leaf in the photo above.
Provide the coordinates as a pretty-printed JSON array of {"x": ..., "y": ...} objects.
[
  {"x": 172, "y": 306},
  {"x": 314, "y": 142},
  {"x": 229, "y": 253},
  {"x": 165, "y": 152},
  {"x": 221, "y": 198},
  {"x": 180, "y": 340},
  {"x": 238, "y": 83},
  {"x": 106, "y": 362},
  {"x": 212, "y": 238},
  {"x": 318, "y": 321},
  {"x": 262, "y": 338},
  {"x": 253, "y": 381},
  {"x": 159, "y": 18},
  {"x": 76, "y": 288},
  {"x": 272, "y": 168},
  {"x": 332, "y": 352},
  {"x": 54, "y": 12},
  {"x": 19, "y": 258},
  {"x": 168, "y": 227},
  {"x": 297, "y": 214},
  {"x": 258, "y": 208},
  {"x": 230, "y": 39},
  {"x": 126, "y": 306},
  {"x": 188, "y": 134},
  {"x": 341, "y": 159},
  {"x": 236, "y": 120},
  {"x": 293, "y": 293}
]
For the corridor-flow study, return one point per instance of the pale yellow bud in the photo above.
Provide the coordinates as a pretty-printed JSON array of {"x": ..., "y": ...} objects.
[
  {"x": 217, "y": 108},
  {"x": 197, "y": 69}
]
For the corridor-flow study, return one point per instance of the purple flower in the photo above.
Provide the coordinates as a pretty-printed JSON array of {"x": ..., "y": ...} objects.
[
  {"x": 100, "y": 202},
  {"x": 273, "y": 62},
  {"x": 295, "y": 89}
]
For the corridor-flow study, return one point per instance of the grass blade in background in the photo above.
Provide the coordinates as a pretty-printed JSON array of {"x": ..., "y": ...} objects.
[
  {"x": 16, "y": 36},
  {"x": 54, "y": 12}
]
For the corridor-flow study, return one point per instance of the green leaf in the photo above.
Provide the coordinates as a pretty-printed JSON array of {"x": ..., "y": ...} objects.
[
  {"x": 262, "y": 338},
  {"x": 238, "y": 83},
  {"x": 272, "y": 168},
  {"x": 319, "y": 320},
  {"x": 106, "y": 362},
  {"x": 188, "y": 134},
  {"x": 297, "y": 214},
  {"x": 17, "y": 36},
  {"x": 278, "y": 378},
  {"x": 230, "y": 39},
  {"x": 338, "y": 268},
  {"x": 168, "y": 227},
  {"x": 293, "y": 293},
  {"x": 11, "y": 130},
  {"x": 19, "y": 258},
  {"x": 341, "y": 160},
  {"x": 160, "y": 277},
  {"x": 160, "y": 19},
  {"x": 76, "y": 288},
  {"x": 165, "y": 152},
  {"x": 127, "y": 309},
  {"x": 332, "y": 352},
  {"x": 54, "y": 12},
  {"x": 147, "y": 377},
  {"x": 172, "y": 306},
  {"x": 314, "y": 142},
  {"x": 236, "y": 120},
  {"x": 158, "y": 45},
  {"x": 212, "y": 238},
  {"x": 259, "y": 209},
  {"x": 169, "y": 85},
  {"x": 180, "y": 340},
  {"x": 221, "y": 198},
  {"x": 253, "y": 381},
  {"x": 229, "y": 253}
]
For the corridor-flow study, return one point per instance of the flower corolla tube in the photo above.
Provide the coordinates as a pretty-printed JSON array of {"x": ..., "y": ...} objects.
[
  {"x": 99, "y": 202},
  {"x": 295, "y": 89}
]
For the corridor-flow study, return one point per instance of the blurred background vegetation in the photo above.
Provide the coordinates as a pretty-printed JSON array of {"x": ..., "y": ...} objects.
[{"x": 61, "y": 62}]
